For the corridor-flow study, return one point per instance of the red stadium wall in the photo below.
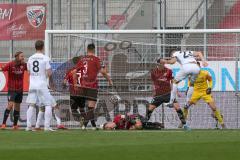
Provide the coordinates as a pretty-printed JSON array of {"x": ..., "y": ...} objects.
[{"x": 227, "y": 52}]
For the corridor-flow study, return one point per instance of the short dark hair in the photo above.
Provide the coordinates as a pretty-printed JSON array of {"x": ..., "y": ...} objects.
[
  {"x": 159, "y": 59},
  {"x": 171, "y": 52},
  {"x": 39, "y": 45},
  {"x": 91, "y": 47},
  {"x": 17, "y": 54}
]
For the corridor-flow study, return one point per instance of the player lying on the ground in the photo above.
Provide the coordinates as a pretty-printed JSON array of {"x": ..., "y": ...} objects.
[
  {"x": 162, "y": 78},
  {"x": 15, "y": 70},
  {"x": 189, "y": 67},
  {"x": 40, "y": 117},
  {"x": 130, "y": 122},
  {"x": 202, "y": 90}
]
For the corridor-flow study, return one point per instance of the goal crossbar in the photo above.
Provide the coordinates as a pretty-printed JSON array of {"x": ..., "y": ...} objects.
[{"x": 176, "y": 31}]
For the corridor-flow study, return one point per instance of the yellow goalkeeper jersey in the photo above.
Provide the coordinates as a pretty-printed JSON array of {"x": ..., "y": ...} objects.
[{"x": 201, "y": 83}]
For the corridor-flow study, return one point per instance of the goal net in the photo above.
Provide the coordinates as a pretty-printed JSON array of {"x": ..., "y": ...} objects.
[{"x": 130, "y": 55}]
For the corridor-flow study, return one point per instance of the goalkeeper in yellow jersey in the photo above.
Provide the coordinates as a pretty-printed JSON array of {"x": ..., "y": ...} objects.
[{"x": 202, "y": 90}]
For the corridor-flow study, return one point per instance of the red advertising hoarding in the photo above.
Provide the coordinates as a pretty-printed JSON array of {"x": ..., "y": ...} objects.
[{"x": 22, "y": 21}]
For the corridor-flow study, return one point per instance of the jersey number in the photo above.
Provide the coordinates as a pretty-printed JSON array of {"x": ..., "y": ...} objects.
[
  {"x": 35, "y": 66},
  {"x": 79, "y": 78},
  {"x": 85, "y": 66}
]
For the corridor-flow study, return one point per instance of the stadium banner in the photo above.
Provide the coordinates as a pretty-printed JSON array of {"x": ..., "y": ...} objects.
[
  {"x": 223, "y": 74},
  {"x": 22, "y": 21}
]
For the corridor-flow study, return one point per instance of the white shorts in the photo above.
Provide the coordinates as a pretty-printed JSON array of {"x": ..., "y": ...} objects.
[
  {"x": 41, "y": 96},
  {"x": 189, "y": 69}
]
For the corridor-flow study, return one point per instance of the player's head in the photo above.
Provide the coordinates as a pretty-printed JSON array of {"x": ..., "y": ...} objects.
[
  {"x": 39, "y": 45},
  {"x": 171, "y": 52},
  {"x": 109, "y": 126},
  {"x": 160, "y": 62},
  {"x": 91, "y": 48},
  {"x": 138, "y": 124},
  {"x": 19, "y": 56}
]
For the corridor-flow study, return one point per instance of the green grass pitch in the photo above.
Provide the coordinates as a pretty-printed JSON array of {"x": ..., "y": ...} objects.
[{"x": 117, "y": 145}]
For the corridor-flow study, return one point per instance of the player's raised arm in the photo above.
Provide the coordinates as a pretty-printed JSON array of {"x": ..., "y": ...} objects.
[
  {"x": 210, "y": 84},
  {"x": 5, "y": 67},
  {"x": 74, "y": 75},
  {"x": 49, "y": 74},
  {"x": 172, "y": 60},
  {"x": 200, "y": 56},
  {"x": 105, "y": 75}
]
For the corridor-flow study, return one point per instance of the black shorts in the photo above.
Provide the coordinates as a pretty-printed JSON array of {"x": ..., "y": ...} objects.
[
  {"x": 77, "y": 102},
  {"x": 15, "y": 96},
  {"x": 88, "y": 93},
  {"x": 158, "y": 100}
]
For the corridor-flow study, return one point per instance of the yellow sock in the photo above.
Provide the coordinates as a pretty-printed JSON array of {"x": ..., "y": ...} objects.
[
  {"x": 185, "y": 112},
  {"x": 219, "y": 117}
]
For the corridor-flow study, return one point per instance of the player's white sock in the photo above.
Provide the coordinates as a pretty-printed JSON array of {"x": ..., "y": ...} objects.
[
  {"x": 29, "y": 116},
  {"x": 189, "y": 93},
  {"x": 173, "y": 92},
  {"x": 57, "y": 116},
  {"x": 39, "y": 119},
  {"x": 48, "y": 116}
]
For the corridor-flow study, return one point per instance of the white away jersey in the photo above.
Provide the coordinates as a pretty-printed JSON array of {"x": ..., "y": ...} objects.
[
  {"x": 37, "y": 66},
  {"x": 184, "y": 57}
]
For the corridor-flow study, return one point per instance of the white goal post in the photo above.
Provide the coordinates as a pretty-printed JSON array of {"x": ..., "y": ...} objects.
[
  {"x": 183, "y": 31},
  {"x": 130, "y": 65}
]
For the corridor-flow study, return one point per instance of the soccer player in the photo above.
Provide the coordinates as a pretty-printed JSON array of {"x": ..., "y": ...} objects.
[
  {"x": 188, "y": 67},
  {"x": 15, "y": 70},
  {"x": 40, "y": 70},
  {"x": 86, "y": 82},
  {"x": 202, "y": 90},
  {"x": 76, "y": 101},
  {"x": 130, "y": 122},
  {"x": 162, "y": 79}
]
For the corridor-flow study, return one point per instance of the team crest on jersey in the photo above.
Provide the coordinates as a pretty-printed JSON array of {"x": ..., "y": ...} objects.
[{"x": 35, "y": 15}]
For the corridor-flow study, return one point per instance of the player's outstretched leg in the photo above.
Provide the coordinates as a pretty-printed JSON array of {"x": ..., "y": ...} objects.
[
  {"x": 150, "y": 110},
  {"x": 29, "y": 117},
  {"x": 90, "y": 113},
  {"x": 173, "y": 92},
  {"x": 16, "y": 115},
  {"x": 58, "y": 118},
  {"x": 48, "y": 117},
  {"x": 5, "y": 117},
  {"x": 181, "y": 117},
  {"x": 217, "y": 114},
  {"x": 40, "y": 118},
  {"x": 6, "y": 114},
  {"x": 91, "y": 117}
]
